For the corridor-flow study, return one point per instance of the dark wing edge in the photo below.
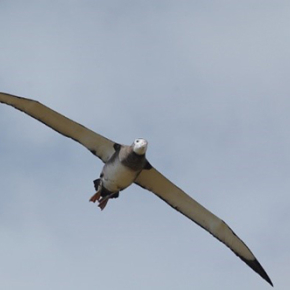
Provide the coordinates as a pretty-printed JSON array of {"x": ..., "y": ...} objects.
[
  {"x": 155, "y": 182},
  {"x": 97, "y": 144}
]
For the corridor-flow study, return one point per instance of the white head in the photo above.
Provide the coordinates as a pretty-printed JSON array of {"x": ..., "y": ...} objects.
[{"x": 140, "y": 146}]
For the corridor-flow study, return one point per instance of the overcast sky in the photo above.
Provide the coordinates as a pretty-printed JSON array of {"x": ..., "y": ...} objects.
[{"x": 206, "y": 82}]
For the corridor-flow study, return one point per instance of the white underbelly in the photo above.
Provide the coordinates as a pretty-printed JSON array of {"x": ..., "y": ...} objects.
[{"x": 117, "y": 177}]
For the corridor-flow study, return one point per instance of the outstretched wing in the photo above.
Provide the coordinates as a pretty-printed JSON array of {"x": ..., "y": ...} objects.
[
  {"x": 154, "y": 181},
  {"x": 97, "y": 144}
]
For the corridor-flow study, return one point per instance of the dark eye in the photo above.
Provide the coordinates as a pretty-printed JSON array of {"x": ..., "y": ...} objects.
[{"x": 137, "y": 141}]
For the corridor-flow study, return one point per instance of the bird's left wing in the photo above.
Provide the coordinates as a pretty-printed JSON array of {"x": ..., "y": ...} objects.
[
  {"x": 97, "y": 144},
  {"x": 154, "y": 181}
]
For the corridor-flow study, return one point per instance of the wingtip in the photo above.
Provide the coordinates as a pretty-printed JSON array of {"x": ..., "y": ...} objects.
[{"x": 256, "y": 266}]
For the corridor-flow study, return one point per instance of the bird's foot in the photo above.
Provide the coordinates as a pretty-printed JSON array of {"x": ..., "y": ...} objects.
[
  {"x": 98, "y": 187},
  {"x": 103, "y": 202},
  {"x": 96, "y": 196},
  {"x": 102, "y": 195}
]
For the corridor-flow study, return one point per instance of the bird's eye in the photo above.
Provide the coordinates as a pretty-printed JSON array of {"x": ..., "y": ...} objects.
[{"x": 137, "y": 141}]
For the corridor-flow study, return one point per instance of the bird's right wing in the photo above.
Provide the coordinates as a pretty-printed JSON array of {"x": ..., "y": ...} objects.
[
  {"x": 154, "y": 181},
  {"x": 97, "y": 144}
]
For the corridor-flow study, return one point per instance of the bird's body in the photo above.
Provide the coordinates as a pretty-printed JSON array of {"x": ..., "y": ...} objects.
[
  {"x": 120, "y": 171},
  {"x": 116, "y": 176},
  {"x": 125, "y": 165}
]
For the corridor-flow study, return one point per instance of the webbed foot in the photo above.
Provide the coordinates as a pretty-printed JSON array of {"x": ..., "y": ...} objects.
[
  {"x": 103, "y": 202},
  {"x": 96, "y": 196},
  {"x": 102, "y": 195}
]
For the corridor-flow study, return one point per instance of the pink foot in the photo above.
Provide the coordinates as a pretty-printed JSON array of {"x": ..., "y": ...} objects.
[
  {"x": 95, "y": 197},
  {"x": 103, "y": 202}
]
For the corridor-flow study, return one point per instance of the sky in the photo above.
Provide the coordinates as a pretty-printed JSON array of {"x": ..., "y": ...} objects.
[{"x": 205, "y": 82}]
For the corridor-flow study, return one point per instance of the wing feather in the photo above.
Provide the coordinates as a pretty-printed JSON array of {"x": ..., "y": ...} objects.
[
  {"x": 155, "y": 182},
  {"x": 97, "y": 144}
]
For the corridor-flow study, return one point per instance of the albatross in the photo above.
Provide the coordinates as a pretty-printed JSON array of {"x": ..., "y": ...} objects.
[{"x": 125, "y": 165}]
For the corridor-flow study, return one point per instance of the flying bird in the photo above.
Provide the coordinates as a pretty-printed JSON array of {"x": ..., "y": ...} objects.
[{"x": 124, "y": 165}]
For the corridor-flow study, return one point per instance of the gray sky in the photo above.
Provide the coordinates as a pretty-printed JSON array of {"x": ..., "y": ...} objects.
[{"x": 206, "y": 83}]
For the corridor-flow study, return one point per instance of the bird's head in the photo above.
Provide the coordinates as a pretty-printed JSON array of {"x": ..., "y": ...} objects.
[{"x": 140, "y": 146}]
